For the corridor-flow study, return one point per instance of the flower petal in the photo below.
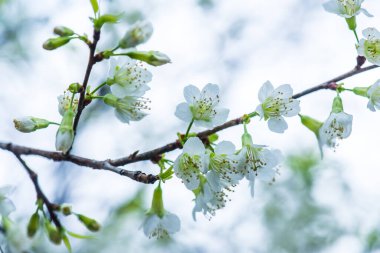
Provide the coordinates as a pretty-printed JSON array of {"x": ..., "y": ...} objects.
[
  {"x": 183, "y": 112},
  {"x": 225, "y": 147},
  {"x": 191, "y": 93},
  {"x": 283, "y": 91},
  {"x": 277, "y": 125},
  {"x": 194, "y": 146},
  {"x": 265, "y": 91},
  {"x": 171, "y": 222}
]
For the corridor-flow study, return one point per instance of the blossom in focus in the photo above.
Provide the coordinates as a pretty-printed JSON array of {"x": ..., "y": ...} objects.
[
  {"x": 258, "y": 161},
  {"x": 370, "y": 46},
  {"x": 191, "y": 163},
  {"x": 276, "y": 103},
  {"x": 129, "y": 79},
  {"x": 129, "y": 108},
  {"x": 202, "y": 106},
  {"x": 338, "y": 125},
  {"x": 345, "y": 8}
]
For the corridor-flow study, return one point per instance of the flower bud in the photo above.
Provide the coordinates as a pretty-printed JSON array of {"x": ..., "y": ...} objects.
[
  {"x": 66, "y": 209},
  {"x": 63, "y": 31},
  {"x": 361, "y": 91},
  {"x": 54, "y": 43},
  {"x": 65, "y": 134},
  {"x": 30, "y": 124},
  {"x": 139, "y": 33},
  {"x": 33, "y": 225},
  {"x": 53, "y": 233},
  {"x": 154, "y": 58},
  {"x": 74, "y": 88},
  {"x": 337, "y": 106},
  {"x": 90, "y": 224}
]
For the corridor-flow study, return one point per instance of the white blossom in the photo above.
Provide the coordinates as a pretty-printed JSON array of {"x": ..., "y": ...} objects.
[
  {"x": 345, "y": 8},
  {"x": 337, "y": 127},
  {"x": 370, "y": 46},
  {"x": 276, "y": 103},
  {"x": 30, "y": 124},
  {"x": 161, "y": 227},
  {"x": 258, "y": 161},
  {"x": 6, "y": 205},
  {"x": 65, "y": 134},
  {"x": 129, "y": 79},
  {"x": 373, "y": 94},
  {"x": 223, "y": 167},
  {"x": 64, "y": 102},
  {"x": 129, "y": 108},
  {"x": 191, "y": 163},
  {"x": 202, "y": 106}
]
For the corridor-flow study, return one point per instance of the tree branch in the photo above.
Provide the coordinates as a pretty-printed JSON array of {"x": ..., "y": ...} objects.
[
  {"x": 112, "y": 165},
  {"x": 51, "y": 207}
]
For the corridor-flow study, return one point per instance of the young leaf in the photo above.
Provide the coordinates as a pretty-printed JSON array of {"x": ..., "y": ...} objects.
[
  {"x": 78, "y": 236},
  {"x": 66, "y": 241},
  {"x": 95, "y": 5}
]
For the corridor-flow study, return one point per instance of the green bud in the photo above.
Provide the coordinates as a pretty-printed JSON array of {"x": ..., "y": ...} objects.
[
  {"x": 139, "y": 33},
  {"x": 30, "y": 124},
  {"x": 53, "y": 233},
  {"x": 154, "y": 58},
  {"x": 63, "y": 31},
  {"x": 74, "y": 88},
  {"x": 66, "y": 209},
  {"x": 351, "y": 22},
  {"x": 337, "y": 106},
  {"x": 157, "y": 203},
  {"x": 312, "y": 124},
  {"x": 361, "y": 91},
  {"x": 33, "y": 225},
  {"x": 54, "y": 43},
  {"x": 90, "y": 224},
  {"x": 65, "y": 134},
  {"x": 106, "y": 18}
]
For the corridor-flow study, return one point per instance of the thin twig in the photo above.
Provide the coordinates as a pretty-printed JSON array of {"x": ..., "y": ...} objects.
[
  {"x": 139, "y": 176},
  {"x": 90, "y": 64},
  {"x": 51, "y": 207}
]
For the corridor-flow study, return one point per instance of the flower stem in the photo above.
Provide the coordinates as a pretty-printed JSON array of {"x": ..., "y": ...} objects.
[
  {"x": 356, "y": 36},
  {"x": 97, "y": 88},
  {"x": 188, "y": 129},
  {"x": 54, "y": 123},
  {"x": 97, "y": 97}
]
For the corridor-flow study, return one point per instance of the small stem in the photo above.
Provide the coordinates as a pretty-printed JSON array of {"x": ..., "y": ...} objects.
[
  {"x": 356, "y": 36},
  {"x": 54, "y": 123},
  {"x": 97, "y": 88},
  {"x": 97, "y": 97},
  {"x": 189, "y": 127},
  {"x": 116, "y": 48},
  {"x": 72, "y": 100},
  {"x": 253, "y": 114}
]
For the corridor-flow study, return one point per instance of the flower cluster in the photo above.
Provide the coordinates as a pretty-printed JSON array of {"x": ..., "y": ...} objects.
[{"x": 345, "y": 8}]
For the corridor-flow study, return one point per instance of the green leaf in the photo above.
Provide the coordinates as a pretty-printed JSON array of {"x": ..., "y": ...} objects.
[
  {"x": 78, "y": 236},
  {"x": 95, "y": 5},
  {"x": 106, "y": 18},
  {"x": 67, "y": 243}
]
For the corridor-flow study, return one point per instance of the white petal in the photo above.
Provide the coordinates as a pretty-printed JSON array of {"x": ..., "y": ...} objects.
[
  {"x": 266, "y": 175},
  {"x": 225, "y": 147},
  {"x": 6, "y": 190},
  {"x": 191, "y": 182},
  {"x": 332, "y": 6},
  {"x": 252, "y": 187},
  {"x": 371, "y": 33},
  {"x": 183, "y": 112},
  {"x": 191, "y": 93},
  {"x": 277, "y": 125},
  {"x": 194, "y": 146},
  {"x": 371, "y": 106},
  {"x": 221, "y": 116},
  {"x": 283, "y": 91},
  {"x": 210, "y": 91},
  {"x": 171, "y": 222},
  {"x": 365, "y": 12},
  {"x": 265, "y": 91},
  {"x": 260, "y": 111},
  {"x": 150, "y": 224},
  {"x": 295, "y": 108},
  {"x": 361, "y": 47},
  {"x": 6, "y": 207},
  {"x": 213, "y": 180},
  {"x": 203, "y": 123}
]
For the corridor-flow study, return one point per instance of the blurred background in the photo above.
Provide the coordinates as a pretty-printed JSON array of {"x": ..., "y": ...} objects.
[{"x": 315, "y": 206}]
